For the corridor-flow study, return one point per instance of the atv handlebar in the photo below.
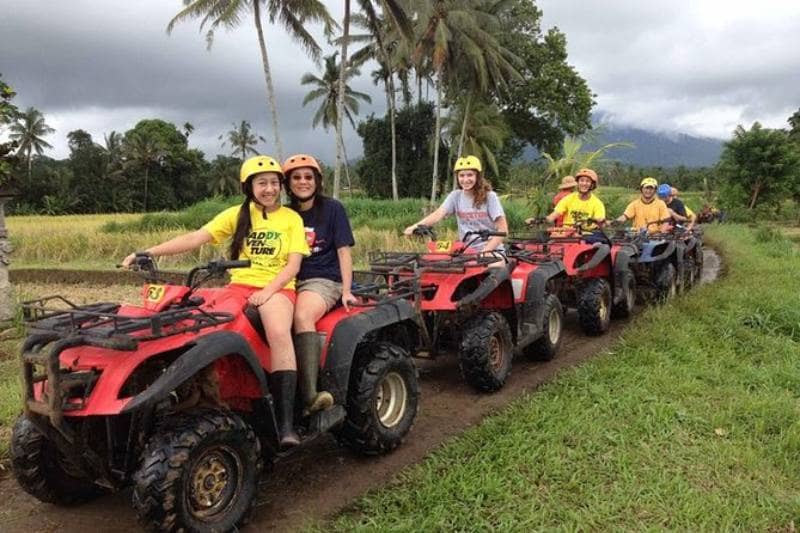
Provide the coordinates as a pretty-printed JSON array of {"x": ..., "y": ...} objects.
[{"x": 422, "y": 230}]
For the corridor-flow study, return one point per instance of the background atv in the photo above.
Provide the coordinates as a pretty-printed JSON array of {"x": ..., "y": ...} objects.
[
  {"x": 659, "y": 268},
  {"x": 597, "y": 280},
  {"x": 486, "y": 306},
  {"x": 172, "y": 397}
]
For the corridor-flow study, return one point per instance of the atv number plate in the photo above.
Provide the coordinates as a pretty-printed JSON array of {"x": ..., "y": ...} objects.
[
  {"x": 443, "y": 246},
  {"x": 155, "y": 293}
]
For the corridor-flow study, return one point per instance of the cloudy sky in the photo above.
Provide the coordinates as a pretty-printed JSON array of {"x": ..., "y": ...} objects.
[{"x": 699, "y": 67}]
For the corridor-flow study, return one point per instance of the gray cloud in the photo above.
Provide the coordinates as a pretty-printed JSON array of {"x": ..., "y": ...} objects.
[{"x": 697, "y": 67}]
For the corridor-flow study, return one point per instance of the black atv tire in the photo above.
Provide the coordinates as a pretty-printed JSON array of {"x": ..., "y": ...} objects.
[
  {"x": 546, "y": 347},
  {"x": 624, "y": 308},
  {"x": 40, "y": 469},
  {"x": 666, "y": 283},
  {"x": 594, "y": 306},
  {"x": 485, "y": 353},
  {"x": 187, "y": 452},
  {"x": 382, "y": 399}
]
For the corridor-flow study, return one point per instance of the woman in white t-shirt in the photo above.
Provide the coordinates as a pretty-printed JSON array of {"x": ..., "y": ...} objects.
[{"x": 474, "y": 204}]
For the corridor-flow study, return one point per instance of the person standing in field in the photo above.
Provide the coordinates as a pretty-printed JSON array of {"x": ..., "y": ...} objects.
[
  {"x": 647, "y": 212},
  {"x": 567, "y": 187},
  {"x": 474, "y": 204},
  {"x": 325, "y": 277},
  {"x": 272, "y": 238}
]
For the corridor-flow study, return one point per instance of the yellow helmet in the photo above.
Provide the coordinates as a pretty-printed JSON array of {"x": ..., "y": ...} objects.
[
  {"x": 648, "y": 182},
  {"x": 257, "y": 165},
  {"x": 468, "y": 163}
]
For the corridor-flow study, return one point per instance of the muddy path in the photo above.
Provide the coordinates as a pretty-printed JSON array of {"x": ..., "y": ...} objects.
[{"x": 322, "y": 478}]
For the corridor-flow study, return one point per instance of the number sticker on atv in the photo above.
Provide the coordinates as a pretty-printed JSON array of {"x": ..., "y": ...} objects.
[
  {"x": 155, "y": 293},
  {"x": 443, "y": 246}
]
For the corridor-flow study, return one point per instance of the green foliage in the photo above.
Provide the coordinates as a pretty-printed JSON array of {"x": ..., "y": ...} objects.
[
  {"x": 415, "y": 126},
  {"x": 190, "y": 218},
  {"x": 8, "y": 113},
  {"x": 760, "y": 166},
  {"x": 550, "y": 99},
  {"x": 326, "y": 89}
]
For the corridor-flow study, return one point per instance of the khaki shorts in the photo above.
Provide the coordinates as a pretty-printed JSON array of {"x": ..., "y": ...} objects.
[{"x": 329, "y": 290}]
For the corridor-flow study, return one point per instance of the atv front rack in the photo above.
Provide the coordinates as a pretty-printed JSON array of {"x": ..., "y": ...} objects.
[
  {"x": 406, "y": 262},
  {"x": 100, "y": 324}
]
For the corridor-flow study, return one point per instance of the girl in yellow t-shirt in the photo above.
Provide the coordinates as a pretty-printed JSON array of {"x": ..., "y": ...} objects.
[{"x": 272, "y": 237}]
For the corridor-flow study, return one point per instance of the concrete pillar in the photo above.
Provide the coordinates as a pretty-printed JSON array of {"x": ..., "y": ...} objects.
[{"x": 6, "y": 293}]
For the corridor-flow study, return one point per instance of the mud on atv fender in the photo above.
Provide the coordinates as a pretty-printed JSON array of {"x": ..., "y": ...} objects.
[
  {"x": 349, "y": 333},
  {"x": 204, "y": 351}
]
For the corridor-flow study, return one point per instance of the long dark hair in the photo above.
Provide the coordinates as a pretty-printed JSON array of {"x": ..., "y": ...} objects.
[
  {"x": 318, "y": 200},
  {"x": 243, "y": 223}
]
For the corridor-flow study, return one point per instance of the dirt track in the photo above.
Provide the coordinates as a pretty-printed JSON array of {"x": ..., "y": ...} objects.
[{"x": 322, "y": 478}]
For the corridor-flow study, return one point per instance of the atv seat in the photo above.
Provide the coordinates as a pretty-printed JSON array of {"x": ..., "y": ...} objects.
[{"x": 251, "y": 312}]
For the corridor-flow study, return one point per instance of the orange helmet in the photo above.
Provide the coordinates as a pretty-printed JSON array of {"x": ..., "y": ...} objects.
[
  {"x": 589, "y": 173},
  {"x": 300, "y": 161}
]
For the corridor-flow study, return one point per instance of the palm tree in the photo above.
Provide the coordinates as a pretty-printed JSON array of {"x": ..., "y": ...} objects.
[
  {"x": 482, "y": 129},
  {"x": 327, "y": 88},
  {"x": 28, "y": 132},
  {"x": 188, "y": 128},
  {"x": 457, "y": 39},
  {"x": 292, "y": 14},
  {"x": 573, "y": 159},
  {"x": 394, "y": 11},
  {"x": 242, "y": 139},
  {"x": 144, "y": 152},
  {"x": 113, "y": 150}
]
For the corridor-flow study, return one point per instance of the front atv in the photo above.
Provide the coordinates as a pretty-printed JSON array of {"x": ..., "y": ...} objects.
[{"x": 173, "y": 398}]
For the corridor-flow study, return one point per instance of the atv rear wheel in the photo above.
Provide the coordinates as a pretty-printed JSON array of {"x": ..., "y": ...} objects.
[
  {"x": 624, "y": 308},
  {"x": 199, "y": 473},
  {"x": 546, "y": 347},
  {"x": 594, "y": 306},
  {"x": 485, "y": 352},
  {"x": 666, "y": 283},
  {"x": 44, "y": 472},
  {"x": 382, "y": 399}
]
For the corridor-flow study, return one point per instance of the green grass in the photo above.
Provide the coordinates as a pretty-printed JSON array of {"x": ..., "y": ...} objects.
[{"x": 690, "y": 422}]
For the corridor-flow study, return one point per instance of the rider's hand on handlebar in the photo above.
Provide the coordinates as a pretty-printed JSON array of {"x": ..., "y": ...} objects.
[
  {"x": 128, "y": 261},
  {"x": 409, "y": 231}
]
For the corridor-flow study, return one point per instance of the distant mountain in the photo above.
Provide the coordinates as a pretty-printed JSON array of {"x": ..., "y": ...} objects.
[{"x": 654, "y": 149}]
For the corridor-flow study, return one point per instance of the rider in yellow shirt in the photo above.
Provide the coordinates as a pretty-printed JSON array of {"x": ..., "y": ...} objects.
[
  {"x": 581, "y": 207},
  {"x": 647, "y": 211},
  {"x": 273, "y": 238}
]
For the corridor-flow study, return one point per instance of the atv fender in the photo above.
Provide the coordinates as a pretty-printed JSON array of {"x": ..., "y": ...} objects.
[
  {"x": 531, "y": 321},
  {"x": 648, "y": 250},
  {"x": 494, "y": 278},
  {"x": 203, "y": 352},
  {"x": 349, "y": 333},
  {"x": 602, "y": 251}
]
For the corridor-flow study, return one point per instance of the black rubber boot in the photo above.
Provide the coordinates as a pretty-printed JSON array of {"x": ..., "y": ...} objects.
[
  {"x": 307, "y": 349},
  {"x": 282, "y": 386}
]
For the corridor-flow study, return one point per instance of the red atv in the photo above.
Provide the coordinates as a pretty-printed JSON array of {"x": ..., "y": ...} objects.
[
  {"x": 485, "y": 306},
  {"x": 173, "y": 397},
  {"x": 597, "y": 279}
]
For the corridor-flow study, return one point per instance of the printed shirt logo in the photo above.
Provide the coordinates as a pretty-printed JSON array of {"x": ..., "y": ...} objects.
[{"x": 264, "y": 243}]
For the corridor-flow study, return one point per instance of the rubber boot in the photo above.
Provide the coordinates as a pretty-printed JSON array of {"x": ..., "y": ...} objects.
[
  {"x": 282, "y": 385},
  {"x": 307, "y": 349}
]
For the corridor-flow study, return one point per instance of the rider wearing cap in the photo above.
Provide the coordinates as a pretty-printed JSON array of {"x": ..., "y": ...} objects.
[
  {"x": 474, "y": 204},
  {"x": 676, "y": 208},
  {"x": 582, "y": 206},
  {"x": 647, "y": 212}
]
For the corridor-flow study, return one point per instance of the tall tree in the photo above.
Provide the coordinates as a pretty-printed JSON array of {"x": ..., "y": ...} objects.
[
  {"x": 327, "y": 88},
  {"x": 29, "y": 131},
  {"x": 188, "y": 129},
  {"x": 8, "y": 114},
  {"x": 457, "y": 39},
  {"x": 759, "y": 165},
  {"x": 242, "y": 139},
  {"x": 396, "y": 14},
  {"x": 143, "y": 151},
  {"x": 293, "y": 15}
]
